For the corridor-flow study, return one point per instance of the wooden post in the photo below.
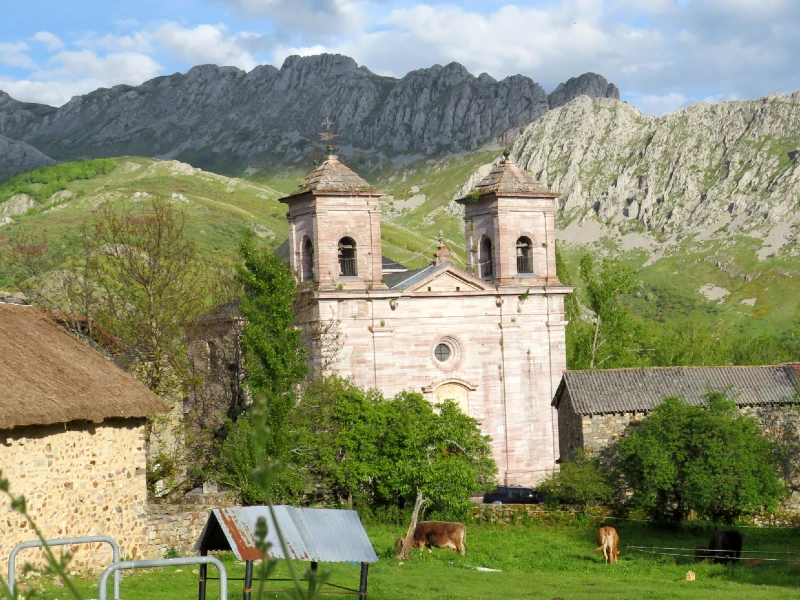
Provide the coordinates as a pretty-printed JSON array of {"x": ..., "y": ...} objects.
[
  {"x": 248, "y": 579},
  {"x": 362, "y": 586},
  {"x": 312, "y": 580},
  {"x": 410, "y": 533}
]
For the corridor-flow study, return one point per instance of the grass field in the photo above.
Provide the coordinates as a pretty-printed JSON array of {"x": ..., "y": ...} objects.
[{"x": 535, "y": 561}]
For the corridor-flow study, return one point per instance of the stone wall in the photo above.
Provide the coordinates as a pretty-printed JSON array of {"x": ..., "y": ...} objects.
[
  {"x": 79, "y": 479},
  {"x": 601, "y": 430},
  {"x": 82, "y": 479},
  {"x": 570, "y": 429}
]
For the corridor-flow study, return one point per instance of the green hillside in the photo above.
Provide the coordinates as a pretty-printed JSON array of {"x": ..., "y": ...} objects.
[{"x": 762, "y": 294}]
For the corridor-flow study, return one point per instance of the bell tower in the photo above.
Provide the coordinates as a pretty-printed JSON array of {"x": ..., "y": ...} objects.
[
  {"x": 335, "y": 229},
  {"x": 509, "y": 222}
]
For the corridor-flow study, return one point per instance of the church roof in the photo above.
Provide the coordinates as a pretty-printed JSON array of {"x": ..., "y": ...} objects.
[
  {"x": 405, "y": 279},
  {"x": 508, "y": 179},
  {"x": 605, "y": 391},
  {"x": 335, "y": 178}
]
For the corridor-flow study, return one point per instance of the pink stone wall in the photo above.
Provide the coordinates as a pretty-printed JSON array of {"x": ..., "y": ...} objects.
[{"x": 509, "y": 355}]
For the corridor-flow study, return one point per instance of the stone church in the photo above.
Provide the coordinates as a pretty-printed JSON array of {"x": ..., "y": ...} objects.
[{"x": 490, "y": 337}]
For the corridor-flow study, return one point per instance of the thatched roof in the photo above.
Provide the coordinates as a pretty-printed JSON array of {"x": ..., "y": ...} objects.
[
  {"x": 604, "y": 391},
  {"x": 48, "y": 376}
]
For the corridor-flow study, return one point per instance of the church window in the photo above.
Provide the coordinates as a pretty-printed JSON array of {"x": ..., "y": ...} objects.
[
  {"x": 524, "y": 258},
  {"x": 442, "y": 352},
  {"x": 347, "y": 257},
  {"x": 486, "y": 258},
  {"x": 307, "y": 260}
]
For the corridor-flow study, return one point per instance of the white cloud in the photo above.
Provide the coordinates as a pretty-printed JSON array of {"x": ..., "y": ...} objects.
[
  {"x": 51, "y": 41},
  {"x": 14, "y": 54},
  {"x": 137, "y": 41},
  {"x": 651, "y": 104},
  {"x": 71, "y": 73},
  {"x": 119, "y": 67},
  {"x": 306, "y": 15},
  {"x": 206, "y": 44}
]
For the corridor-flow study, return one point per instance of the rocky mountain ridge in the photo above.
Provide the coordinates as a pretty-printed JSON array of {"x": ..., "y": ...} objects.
[
  {"x": 18, "y": 157},
  {"x": 707, "y": 171},
  {"x": 233, "y": 120}
]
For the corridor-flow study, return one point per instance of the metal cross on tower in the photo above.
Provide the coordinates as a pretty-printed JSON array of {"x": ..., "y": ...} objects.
[{"x": 327, "y": 136}]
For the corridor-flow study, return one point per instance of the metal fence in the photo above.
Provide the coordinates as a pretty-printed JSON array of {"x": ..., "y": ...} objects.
[
  {"x": 167, "y": 562},
  {"x": 348, "y": 267},
  {"x": 524, "y": 264},
  {"x": 12, "y": 558}
]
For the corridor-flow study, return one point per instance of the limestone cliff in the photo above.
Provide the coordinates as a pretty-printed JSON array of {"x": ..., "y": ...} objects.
[
  {"x": 230, "y": 120},
  {"x": 709, "y": 170},
  {"x": 17, "y": 157}
]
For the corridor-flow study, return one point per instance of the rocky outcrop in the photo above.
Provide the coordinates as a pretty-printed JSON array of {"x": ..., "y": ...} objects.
[
  {"x": 17, "y": 157},
  {"x": 228, "y": 119},
  {"x": 588, "y": 84},
  {"x": 706, "y": 171}
]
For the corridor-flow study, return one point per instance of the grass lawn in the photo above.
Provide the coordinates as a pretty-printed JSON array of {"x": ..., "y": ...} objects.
[{"x": 535, "y": 561}]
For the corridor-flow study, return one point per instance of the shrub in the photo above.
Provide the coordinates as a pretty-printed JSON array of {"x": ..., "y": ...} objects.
[{"x": 582, "y": 481}]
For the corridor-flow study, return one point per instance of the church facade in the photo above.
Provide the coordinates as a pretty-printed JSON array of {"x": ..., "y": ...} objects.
[{"x": 491, "y": 336}]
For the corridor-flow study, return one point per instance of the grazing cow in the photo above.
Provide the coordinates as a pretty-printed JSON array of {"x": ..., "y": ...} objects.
[
  {"x": 608, "y": 542},
  {"x": 441, "y": 534},
  {"x": 726, "y": 546}
]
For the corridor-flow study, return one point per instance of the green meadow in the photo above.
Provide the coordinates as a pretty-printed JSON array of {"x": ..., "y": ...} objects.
[{"x": 532, "y": 561}]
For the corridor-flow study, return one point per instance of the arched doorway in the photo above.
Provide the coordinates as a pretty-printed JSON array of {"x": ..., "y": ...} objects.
[{"x": 453, "y": 391}]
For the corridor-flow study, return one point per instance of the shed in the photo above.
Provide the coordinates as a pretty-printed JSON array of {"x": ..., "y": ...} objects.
[
  {"x": 595, "y": 407},
  {"x": 311, "y": 534}
]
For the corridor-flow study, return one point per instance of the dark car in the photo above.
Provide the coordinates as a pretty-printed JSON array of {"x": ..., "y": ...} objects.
[{"x": 513, "y": 494}]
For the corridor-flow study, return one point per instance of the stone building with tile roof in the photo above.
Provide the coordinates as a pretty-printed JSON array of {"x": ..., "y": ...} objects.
[
  {"x": 490, "y": 336},
  {"x": 596, "y": 407}
]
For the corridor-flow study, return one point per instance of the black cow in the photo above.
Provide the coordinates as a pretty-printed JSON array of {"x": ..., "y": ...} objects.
[{"x": 726, "y": 546}]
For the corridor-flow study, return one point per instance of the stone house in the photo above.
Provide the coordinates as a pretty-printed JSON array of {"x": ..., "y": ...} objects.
[
  {"x": 596, "y": 407},
  {"x": 72, "y": 440}
]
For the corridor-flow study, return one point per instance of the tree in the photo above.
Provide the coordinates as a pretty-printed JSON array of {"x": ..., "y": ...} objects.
[
  {"x": 274, "y": 354},
  {"x": 335, "y": 432},
  {"x": 709, "y": 459},
  {"x": 580, "y": 481},
  {"x": 615, "y": 338},
  {"x": 150, "y": 286}
]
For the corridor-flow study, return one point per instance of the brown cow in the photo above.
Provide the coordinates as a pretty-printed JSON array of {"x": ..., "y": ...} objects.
[
  {"x": 441, "y": 534},
  {"x": 608, "y": 542}
]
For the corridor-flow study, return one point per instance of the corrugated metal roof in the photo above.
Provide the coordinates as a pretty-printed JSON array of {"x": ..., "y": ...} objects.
[
  {"x": 314, "y": 534},
  {"x": 627, "y": 390}
]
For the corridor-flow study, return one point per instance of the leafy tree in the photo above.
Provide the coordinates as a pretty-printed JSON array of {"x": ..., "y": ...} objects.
[
  {"x": 436, "y": 450},
  {"x": 335, "y": 430},
  {"x": 580, "y": 481},
  {"x": 712, "y": 460},
  {"x": 615, "y": 338},
  {"x": 274, "y": 353},
  {"x": 151, "y": 284}
]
